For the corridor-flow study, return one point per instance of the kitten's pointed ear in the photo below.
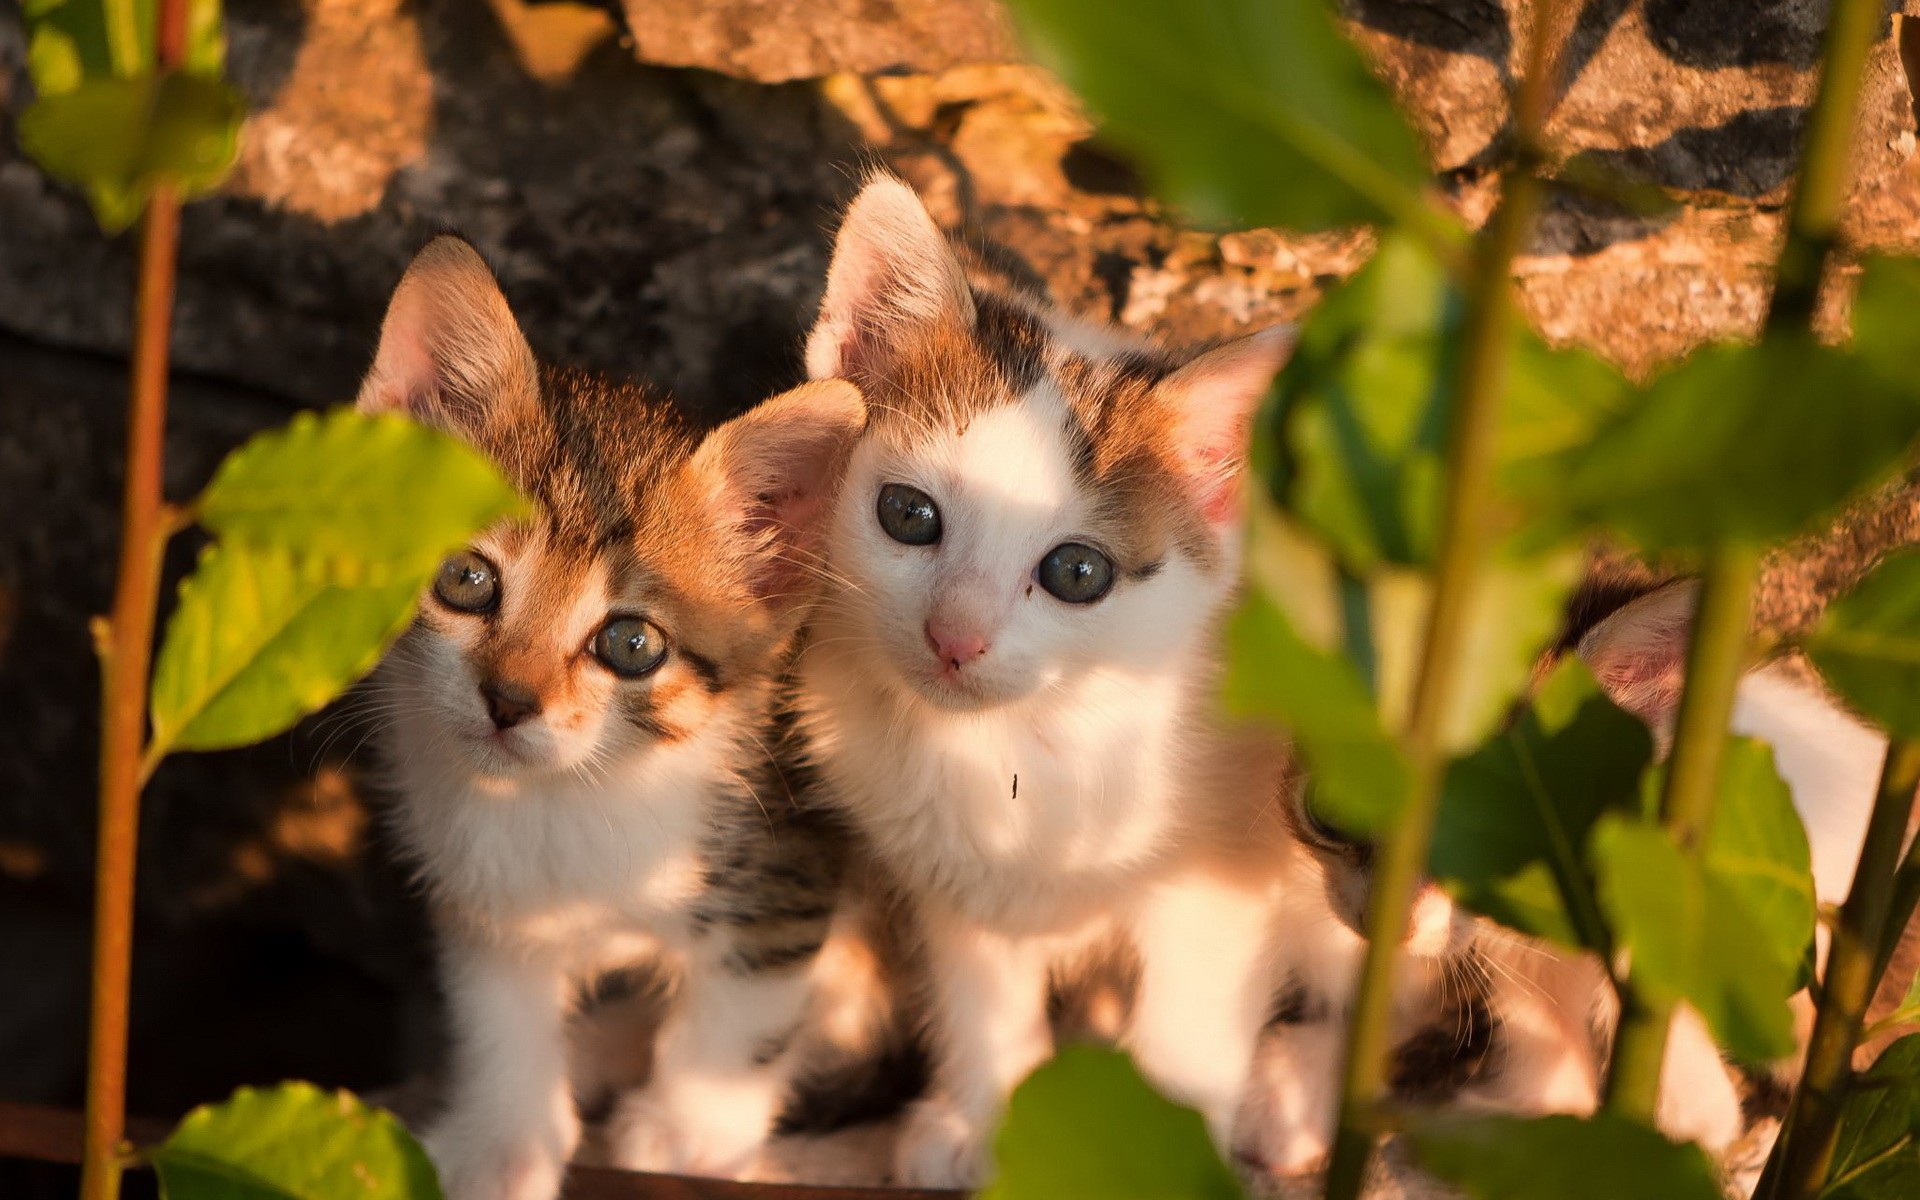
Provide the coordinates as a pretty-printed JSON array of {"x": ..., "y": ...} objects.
[
  {"x": 1216, "y": 396},
  {"x": 770, "y": 472},
  {"x": 449, "y": 347},
  {"x": 892, "y": 271},
  {"x": 1639, "y": 654}
]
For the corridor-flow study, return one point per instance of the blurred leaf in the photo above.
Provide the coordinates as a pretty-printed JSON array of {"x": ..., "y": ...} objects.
[
  {"x": 260, "y": 640},
  {"x": 1365, "y": 403},
  {"x": 1590, "y": 175},
  {"x": 1602, "y": 1157},
  {"x": 1884, "y": 331},
  {"x": 71, "y": 41},
  {"x": 367, "y": 498},
  {"x": 1086, "y": 1126},
  {"x": 117, "y": 138},
  {"x": 1511, "y": 838},
  {"x": 292, "y": 1142},
  {"x": 1359, "y": 777},
  {"x": 1758, "y": 848},
  {"x": 1243, "y": 112},
  {"x": 1691, "y": 938},
  {"x": 1877, "y": 1156},
  {"x": 1868, "y": 645},
  {"x": 1747, "y": 443}
]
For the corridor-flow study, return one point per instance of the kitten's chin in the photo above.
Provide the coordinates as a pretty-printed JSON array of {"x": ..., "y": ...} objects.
[
  {"x": 960, "y": 695},
  {"x": 509, "y": 755}
]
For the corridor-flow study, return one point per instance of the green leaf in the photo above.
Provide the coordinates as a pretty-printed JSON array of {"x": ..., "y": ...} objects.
[
  {"x": 1359, "y": 776},
  {"x": 1085, "y": 1126},
  {"x": 259, "y": 640},
  {"x": 370, "y": 497},
  {"x": 1243, "y": 112},
  {"x": 1877, "y": 1156},
  {"x": 1884, "y": 331},
  {"x": 1602, "y": 1157},
  {"x": 1511, "y": 838},
  {"x": 1758, "y": 849},
  {"x": 71, "y": 41},
  {"x": 1739, "y": 443},
  {"x": 1691, "y": 937},
  {"x": 292, "y": 1142},
  {"x": 1366, "y": 400},
  {"x": 1868, "y": 645},
  {"x": 117, "y": 138}
]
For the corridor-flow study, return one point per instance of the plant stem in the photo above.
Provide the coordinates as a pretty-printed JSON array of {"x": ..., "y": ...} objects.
[
  {"x": 1813, "y": 223},
  {"x": 1486, "y": 336},
  {"x": 1805, "y": 1148},
  {"x": 126, "y": 657},
  {"x": 1715, "y": 660}
]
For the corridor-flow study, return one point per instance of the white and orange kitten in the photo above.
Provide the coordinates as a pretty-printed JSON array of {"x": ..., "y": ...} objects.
[
  {"x": 1007, "y": 684},
  {"x": 580, "y": 728}
]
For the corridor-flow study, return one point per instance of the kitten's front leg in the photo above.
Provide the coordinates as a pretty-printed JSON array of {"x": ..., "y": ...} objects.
[
  {"x": 1205, "y": 989},
  {"x": 1286, "y": 1125},
  {"x": 989, "y": 1031},
  {"x": 509, "y": 1125},
  {"x": 721, "y": 1065}
]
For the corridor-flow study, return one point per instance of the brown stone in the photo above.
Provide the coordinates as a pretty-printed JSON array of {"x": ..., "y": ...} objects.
[{"x": 774, "y": 41}]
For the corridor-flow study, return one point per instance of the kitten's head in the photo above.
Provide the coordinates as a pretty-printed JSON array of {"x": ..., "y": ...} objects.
[
  {"x": 1436, "y": 928},
  {"x": 654, "y": 591},
  {"x": 1030, "y": 502}
]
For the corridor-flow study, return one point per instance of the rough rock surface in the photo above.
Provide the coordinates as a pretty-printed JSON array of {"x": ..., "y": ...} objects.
[{"x": 658, "y": 201}]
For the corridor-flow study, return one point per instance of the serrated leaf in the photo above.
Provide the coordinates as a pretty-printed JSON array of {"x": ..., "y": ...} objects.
[
  {"x": 1359, "y": 776},
  {"x": 292, "y": 1142},
  {"x": 259, "y": 640},
  {"x": 1691, "y": 938},
  {"x": 1242, "y": 112},
  {"x": 1086, "y": 1126},
  {"x": 1511, "y": 838},
  {"x": 365, "y": 497},
  {"x": 1366, "y": 400},
  {"x": 1602, "y": 1157},
  {"x": 1758, "y": 848},
  {"x": 1740, "y": 443},
  {"x": 118, "y": 137},
  {"x": 1868, "y": 645},
  {"x": 1877, "y": 1156}
]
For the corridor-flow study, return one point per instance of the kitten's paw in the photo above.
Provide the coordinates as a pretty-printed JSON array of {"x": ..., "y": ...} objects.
[
  {"x": 940, "y": 1148},
  {"x": 1698, "y": 1099},
  {"x": 651, "y": 1131},
  {"x": 1284, "y": 1148},
  {"x": 494, "y": 1168}
]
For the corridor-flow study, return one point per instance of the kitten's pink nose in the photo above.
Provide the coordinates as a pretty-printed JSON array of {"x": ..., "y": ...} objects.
[
  {"x": 509, "y": 703},
  {"x": 953, "y": 646}
]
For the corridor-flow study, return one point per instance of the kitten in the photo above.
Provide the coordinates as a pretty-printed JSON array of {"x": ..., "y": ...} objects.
[
  {"x": 581, "y": 731},
  {"x": 1008, "y": 676},
  {"x": 1552, "y": 1013}
]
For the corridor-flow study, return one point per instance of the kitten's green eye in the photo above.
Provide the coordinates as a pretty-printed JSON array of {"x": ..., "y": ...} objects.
[
  {"x": 630, "y": 646},
  {"x": 908, "y": 515},
  {"x": 468, "y": 583},
  {"x": 1076, "y": 573}
]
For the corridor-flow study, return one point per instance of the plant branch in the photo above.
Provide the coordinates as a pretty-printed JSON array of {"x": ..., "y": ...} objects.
[
  {"x": 1486, "y": 337},
  {"x": 1804, "y": 1151},
  {"x": 127, "y": 651}
]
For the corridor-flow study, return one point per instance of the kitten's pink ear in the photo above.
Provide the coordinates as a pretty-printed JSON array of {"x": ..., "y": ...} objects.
[
  {"x": 771, "y": 471},
  {"x": 449, "y": 346},
  {"x": 1639, "y": 654},
  {"x": 1216, "y": 396},
  {"x": 892, "y": 271}
]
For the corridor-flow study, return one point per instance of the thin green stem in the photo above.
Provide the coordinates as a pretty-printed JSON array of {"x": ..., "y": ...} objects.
[
  {"x": 1486, "y": 337},
  {"x": 1715, "y": 661},
  {"x": 1804, "y": 1151}
]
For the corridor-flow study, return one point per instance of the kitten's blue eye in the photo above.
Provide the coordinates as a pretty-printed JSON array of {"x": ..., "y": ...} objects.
[
  {"x": 468, "y": 583},
  {"x": 1076, "y": 573},
  {"x": 630, "y": 646},
  {"x": 908, "y": 515}
]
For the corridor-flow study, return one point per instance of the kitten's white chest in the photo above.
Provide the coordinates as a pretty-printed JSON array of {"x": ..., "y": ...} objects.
[{"x": 1019, "y": 820}]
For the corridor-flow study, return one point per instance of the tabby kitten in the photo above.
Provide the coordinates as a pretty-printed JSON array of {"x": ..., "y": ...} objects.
[
  {"x": 582, "y": 739},
  {"x": 1007, "y": 683}
]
